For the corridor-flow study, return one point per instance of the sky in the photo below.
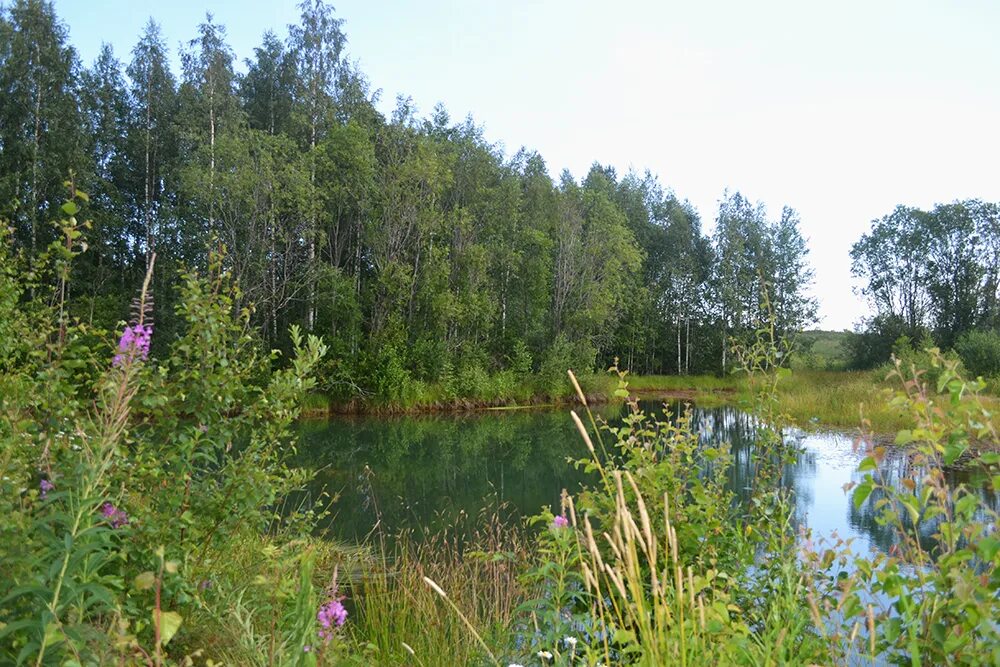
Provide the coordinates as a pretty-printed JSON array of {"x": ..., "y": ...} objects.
[{"x": 841, "y": 110}]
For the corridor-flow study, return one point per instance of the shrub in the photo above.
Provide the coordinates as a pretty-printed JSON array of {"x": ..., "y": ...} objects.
[
  {"x": 873, "y": 345},
  {"x": 560, "y": 356},
  {"x": 980, "y": 352},
  {"x": 131, "y": 482}
]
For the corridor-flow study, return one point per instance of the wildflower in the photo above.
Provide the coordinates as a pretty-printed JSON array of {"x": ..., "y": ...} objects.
[
  {"x": 134, "y": 342},
  {"x": 115, "y": 516},
  {"x": 544, "y": 655},
  {"x": 307, "y": 648},
  {"x": 46, "y": 486},
  {"x": 570, "y": 641},
  {"x": 560, "y": 522},
  {"x": 331, "y": 615}
]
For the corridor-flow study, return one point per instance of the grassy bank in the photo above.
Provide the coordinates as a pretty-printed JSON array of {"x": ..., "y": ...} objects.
[
  {"x": 828, "y": 398},
  {"x": 498, "y": 391},
  {"x": 812, "y": 398}
]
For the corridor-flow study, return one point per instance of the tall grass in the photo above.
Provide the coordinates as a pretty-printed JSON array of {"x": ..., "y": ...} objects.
[{"x": 402, "y": 620}]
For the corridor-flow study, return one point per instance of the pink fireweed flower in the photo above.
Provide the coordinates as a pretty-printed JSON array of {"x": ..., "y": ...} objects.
[
  {"x": 46, "y": 486},
  {"x": 134, "y": 343},
  {"x": 116, "y": 517},
  {"x": 331, "y": 615},
  {"x": 560, "y": 522}
]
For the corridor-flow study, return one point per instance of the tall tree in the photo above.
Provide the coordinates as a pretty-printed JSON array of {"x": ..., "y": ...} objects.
[
  {"x": 151, "y": 132},
  {"x": 890, "y": 259},
  {"x": 208, "y": 99},
  {"x": 316, "y": 45},
  {"x": 116, "y": 236},
  {"x": 267, "y": 89},
  {"x": 41, "y": 138},
  {"x": 793, "y": 307}
]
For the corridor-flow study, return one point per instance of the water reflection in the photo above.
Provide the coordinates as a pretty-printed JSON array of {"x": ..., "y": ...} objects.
[
  {"x": 423, "y": 471},
  {"x": 899, "y": 465}
]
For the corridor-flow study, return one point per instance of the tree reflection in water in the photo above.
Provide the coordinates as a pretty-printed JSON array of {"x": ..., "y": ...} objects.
[{"x": 428, "y": 471}]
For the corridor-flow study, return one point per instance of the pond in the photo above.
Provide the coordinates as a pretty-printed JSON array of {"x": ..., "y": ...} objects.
[{"x": 435, "y": 470}]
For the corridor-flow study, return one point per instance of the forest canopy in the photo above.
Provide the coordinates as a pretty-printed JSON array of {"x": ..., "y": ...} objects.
[
  {"x": 931, "y": 277},
  {"x": 418, "y": 249}
]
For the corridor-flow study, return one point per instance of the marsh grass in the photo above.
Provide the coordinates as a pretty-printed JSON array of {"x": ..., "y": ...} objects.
[
  {"x": 402, "y": 620},
  {"x": 811, "y": 398}
]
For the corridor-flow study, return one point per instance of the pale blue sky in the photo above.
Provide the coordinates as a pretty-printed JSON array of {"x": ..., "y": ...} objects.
[{"x": 840, "y": 109}]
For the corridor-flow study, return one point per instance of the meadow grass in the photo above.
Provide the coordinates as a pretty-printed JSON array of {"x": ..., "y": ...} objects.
[{"x": 812, "y": 398}]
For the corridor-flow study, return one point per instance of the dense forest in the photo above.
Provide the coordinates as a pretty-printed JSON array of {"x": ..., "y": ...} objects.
[
  {"x": 419, "y": 250},
  {"x": 932, "y": 277}
]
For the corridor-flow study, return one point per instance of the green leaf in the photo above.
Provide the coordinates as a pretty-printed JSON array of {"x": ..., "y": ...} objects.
[
  {"x": 170, "y": 622},
  {"x": 953, "y": 451},
  {"x": 966, "y": 504},
  {"x": 70, "y": 208},
  {"x": 904, "y": 437},
  {"x": 867, "y": 463},
  {"x": 52, "y": 634},
  {"x": 862, "y": 492},
  {"x": 623, "y": 636},
  {"x": 988, "y": 547},
  {"x": 910, "y": 503},
  {"x": 144, "y": 581},
  {"x": 990, "y": 458}
]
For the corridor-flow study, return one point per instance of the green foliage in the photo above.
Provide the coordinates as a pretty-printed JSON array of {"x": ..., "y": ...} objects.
[
  {"x": 689, "y": 580},
  {"x": 413, "y": 245},
  {"x": 980, "y": 352},
  {"x": 922, "y": 355},
  {"x": 128, "y": 480},
  {"x": 935, "y": 600},
  {"x": 878, "y": 341},
  {"x": 822, "y": 350},
  {"x": 143, "y": 495},
  {"x": 927, "y": 271},
  {"x": 560, "y": 356}
]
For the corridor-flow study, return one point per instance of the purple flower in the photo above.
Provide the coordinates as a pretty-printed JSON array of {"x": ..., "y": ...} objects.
[
  {"x": 307, "y": 648},
  {"x": 46, "y": 486},
  {"x": 560, "y": 522},
  {"x": 116, "y": 517},
  {"x": 331, "y": 615},
  {"x": 134, "y": 342}
]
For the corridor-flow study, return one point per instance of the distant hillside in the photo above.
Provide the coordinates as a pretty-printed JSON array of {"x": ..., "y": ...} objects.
[{"x": 822, "y": 349}]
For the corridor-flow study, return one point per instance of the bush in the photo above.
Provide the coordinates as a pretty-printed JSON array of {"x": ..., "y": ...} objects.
[
  {"x": 980, "y": 352},
  {"x": 131, "y": 483},
  {"x": 873, "y": 345},
  {"x": 562, "y": 355}
]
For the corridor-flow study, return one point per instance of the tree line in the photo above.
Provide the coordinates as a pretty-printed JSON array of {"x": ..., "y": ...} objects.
[
  {"x": 931, "y": 277},
  {"x": 417, "y": 248}
]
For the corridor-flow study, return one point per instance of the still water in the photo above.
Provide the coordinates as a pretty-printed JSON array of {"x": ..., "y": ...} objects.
[{"x": 427, "y": 472}]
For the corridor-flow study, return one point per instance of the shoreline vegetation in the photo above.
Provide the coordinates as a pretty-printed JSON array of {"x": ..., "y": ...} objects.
[
  {"x": 810, "y": 398},
  {"x": 305, "y": 247},
  {"x": 436, "y": 399},
  {"x": 139, "y": 534}
]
